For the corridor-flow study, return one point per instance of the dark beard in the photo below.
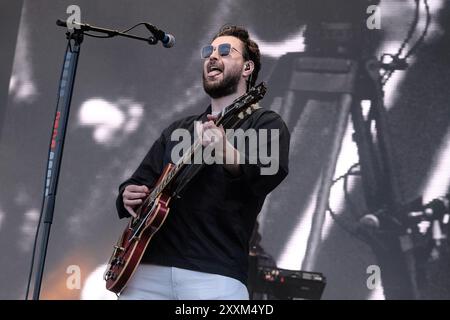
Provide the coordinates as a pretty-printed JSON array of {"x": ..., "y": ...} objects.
[{"x": 228, "y": 85}]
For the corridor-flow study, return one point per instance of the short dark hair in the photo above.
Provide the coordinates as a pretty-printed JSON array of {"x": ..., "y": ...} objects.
[{"x": 251, "y": 49}]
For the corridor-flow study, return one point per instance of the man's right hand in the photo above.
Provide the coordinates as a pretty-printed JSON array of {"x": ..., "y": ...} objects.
[{"x": 132, "y": 197}]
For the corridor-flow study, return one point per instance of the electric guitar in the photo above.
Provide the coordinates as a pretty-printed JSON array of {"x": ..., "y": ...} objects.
[{"x": 153, "y": 211}]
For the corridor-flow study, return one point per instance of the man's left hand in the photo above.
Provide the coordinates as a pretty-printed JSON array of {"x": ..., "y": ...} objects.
[{"x": 212, "y": 134}]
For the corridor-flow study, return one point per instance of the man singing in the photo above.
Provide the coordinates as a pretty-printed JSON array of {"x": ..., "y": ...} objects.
[{"x": 201, "y": 250}]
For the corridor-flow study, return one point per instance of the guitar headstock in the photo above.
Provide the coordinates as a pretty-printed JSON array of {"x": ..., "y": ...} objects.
[
  {"x": 248, "y": 111},
  {"x": 245, "y": 101}
]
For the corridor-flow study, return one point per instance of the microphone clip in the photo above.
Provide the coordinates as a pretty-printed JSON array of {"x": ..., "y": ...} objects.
[{"x": 152, "y": 40}]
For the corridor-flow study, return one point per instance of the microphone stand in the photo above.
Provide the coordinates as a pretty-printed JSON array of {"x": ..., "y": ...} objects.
[{"x": 66, "y": 84}]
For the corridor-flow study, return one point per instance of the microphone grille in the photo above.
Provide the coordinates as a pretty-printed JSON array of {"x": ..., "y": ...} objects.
[
  {"x": 169, "y": 41},
  {"x": 370, "y": 220}
]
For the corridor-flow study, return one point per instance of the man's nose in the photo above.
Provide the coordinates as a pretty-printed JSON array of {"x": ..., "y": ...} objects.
[
  {"x": 211, "y": 60},
  {"x": 215, "y": 54}
]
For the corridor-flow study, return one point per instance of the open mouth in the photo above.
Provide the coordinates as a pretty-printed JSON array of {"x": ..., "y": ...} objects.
[{"x": 213, "y": 71}]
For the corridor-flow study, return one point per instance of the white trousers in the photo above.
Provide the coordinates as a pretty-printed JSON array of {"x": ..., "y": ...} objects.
[{"x": 153, "y": 282}]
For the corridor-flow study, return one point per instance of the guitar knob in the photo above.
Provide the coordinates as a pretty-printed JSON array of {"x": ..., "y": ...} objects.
[{"x": 110, "y": 275}]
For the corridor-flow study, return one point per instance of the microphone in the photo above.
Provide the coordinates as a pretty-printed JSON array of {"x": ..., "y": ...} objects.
[
  {"x": 167, "y": 39},
  {"x": 370, "y": 221}
]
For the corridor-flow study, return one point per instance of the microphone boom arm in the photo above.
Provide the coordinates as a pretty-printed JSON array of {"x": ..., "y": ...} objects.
[{"x": 83, "y": 27}]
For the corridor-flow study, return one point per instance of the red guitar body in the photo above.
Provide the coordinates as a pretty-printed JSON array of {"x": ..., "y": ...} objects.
[{"x": 135, "y": 238}]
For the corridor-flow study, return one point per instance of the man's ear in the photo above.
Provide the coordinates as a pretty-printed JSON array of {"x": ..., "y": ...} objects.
[{"x": 249, "y": 66}]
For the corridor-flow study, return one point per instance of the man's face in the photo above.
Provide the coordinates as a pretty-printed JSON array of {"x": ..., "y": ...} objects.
[{"x": 222, "y": 74}]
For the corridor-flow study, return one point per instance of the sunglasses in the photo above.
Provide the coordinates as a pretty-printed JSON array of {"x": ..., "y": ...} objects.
[{"x": 224, "y": 50}]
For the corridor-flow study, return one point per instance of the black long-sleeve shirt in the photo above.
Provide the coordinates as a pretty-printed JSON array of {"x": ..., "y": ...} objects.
[{"x": 208, "y": 229}]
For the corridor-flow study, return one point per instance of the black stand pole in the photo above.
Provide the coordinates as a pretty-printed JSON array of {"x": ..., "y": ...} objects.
[{"x": 66, "y": 84}]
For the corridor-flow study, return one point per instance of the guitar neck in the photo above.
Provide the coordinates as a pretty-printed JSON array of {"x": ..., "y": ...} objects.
[
  {"x": 238, "y": 105},
  {"x": 175, "y": 170}
]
